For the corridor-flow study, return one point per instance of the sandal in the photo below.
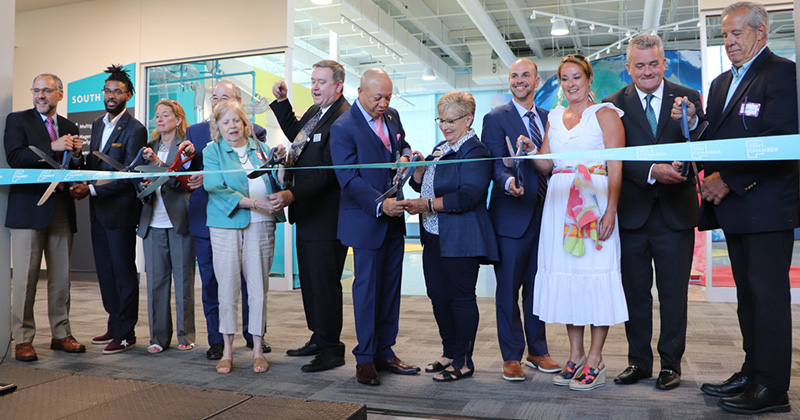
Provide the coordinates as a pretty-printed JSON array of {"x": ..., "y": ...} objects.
[
  {"x": 588, "y": 378},
  {"x": 186, "y": 347},
  {"x": 260, "y": 365},
  {"x": 437, "y": 367},
  {"x": 568, "y": 372},
  {"x": 225, "y": 366},
  {"x": 453, "y": 375},
  {"x": 155, "y": 349}
]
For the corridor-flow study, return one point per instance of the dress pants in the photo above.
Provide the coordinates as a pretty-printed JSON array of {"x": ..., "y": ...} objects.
[
  {"x": 167, "y": 255},
  {"x": 205, "y": 264},
  {"x": 671, "y": 251},
  {"x": 517, "y": 269},
  {"x": 450, "y": 283},
  {"x": 115, "y": 259},
  {"x": 760, "y": 264},
  {"x": 376, "y": 297},
  {"x": 27, "y": 246},
  {"x": 320, "y": 265},
  {"x": 243, "y": 252}
]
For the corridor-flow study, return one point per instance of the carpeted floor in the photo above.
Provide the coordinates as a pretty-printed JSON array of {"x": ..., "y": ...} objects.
[{"x": 713, "y": 353}]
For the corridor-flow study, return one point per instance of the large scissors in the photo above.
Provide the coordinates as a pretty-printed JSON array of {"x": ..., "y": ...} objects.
[
  {"x": 271, "y": 161},
  {"x": 52, "y": 162},
  {"x": 684, "y": 123},
  {"x": 176, "y": 165},
  {"x": 515, "y": 163},
  {"x": 116, "y": 165},
  {"x": 397, "y": 189}
]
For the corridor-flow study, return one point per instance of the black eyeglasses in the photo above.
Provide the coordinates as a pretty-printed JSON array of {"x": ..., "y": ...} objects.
[
  {"x": 441, "y": 121},
  {"x": 115, "y": 92},
  {"x": 46, "y": 91}
]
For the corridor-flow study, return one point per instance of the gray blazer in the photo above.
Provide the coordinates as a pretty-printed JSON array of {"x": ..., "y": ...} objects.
[{"x": 176, "y": 199}]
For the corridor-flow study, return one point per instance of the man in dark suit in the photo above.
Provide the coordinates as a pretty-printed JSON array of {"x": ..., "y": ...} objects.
[
  {"x": 756, "y": 205},
  {"x": 48, "y": 228},
  {"x": 516, "y": 213},
  {"x": 114, "y": 213},
  {"x": 313, "y": 199},
  {"x": 200, "y": 135},
  {"x": 371, "y": 132},
  {"x": 657, "y": 213}
]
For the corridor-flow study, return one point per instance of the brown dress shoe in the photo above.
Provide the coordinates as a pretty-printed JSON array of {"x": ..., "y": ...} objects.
[
  {"x": 69, "y": 344},
  {"x": 544, "y": 363},
  {"x": 367, "y": 375},
  {"x": 512, "y": 371},
  {"x": 396, "y": 366},
  {"x": 25, "y": 353}
]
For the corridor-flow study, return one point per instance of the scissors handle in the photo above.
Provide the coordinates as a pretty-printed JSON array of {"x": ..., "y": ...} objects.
[{"x": 178, "y": 162}]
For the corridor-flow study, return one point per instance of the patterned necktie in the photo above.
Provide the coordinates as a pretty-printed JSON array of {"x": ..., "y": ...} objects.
[
  {"x": 302, "y": 138},
  {"x": 536, "y": 136},
  {"x": 53, "y": 137},
  {"x": 651, "y": 115},
  {"x": 381, "y": 134}
]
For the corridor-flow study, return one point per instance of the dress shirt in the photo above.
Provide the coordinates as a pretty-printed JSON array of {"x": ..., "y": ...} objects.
[
  {"x": 108, "y": 128},
  {"x": 738, "y": 75},
  {"x": 526, "y": 121},
  {"x": 658, "y": 96},
  {"x": 430, "y": 220}
]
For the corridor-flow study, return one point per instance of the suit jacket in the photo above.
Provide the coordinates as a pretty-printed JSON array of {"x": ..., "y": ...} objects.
[
  {"x": 764, "y": 195},
  {"x": 26, "y": 128},
  {"x": 116, "y": 205},
  {"x": 174, "y": 196},
  {"x": 510, "y": 215},
  {"x": 200, "y": 136},
  {"x": 678, "y": 202},
  {"x": 353, "y": 142},
  {"x": 464, "y": 226},
  {"x": 316, "y": 192}
]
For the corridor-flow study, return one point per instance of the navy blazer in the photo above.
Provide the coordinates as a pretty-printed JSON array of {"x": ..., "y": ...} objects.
[
  {"x": 200, "y": 135},
  {"x": 510, "y": 215},
  {"x": 316, "y": 192},
  {"x": 764, "y": 195},
  {"x": 464, "y": 226},
  {"x": 116, "y": 205},
  {"x": 678, "y": 202},
  {"x": 25, "y": 128},
  {"x": 353, "y": 142}
]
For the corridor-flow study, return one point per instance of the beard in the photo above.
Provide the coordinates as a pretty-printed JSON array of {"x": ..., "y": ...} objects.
[{"x": 115, "y": 110}]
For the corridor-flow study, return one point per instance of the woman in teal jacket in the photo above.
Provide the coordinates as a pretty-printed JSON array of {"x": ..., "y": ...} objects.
[{"x": 241, "y": 220}]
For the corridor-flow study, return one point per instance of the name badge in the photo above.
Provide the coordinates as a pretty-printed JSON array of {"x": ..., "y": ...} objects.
[
  {"x": 116, "y": 144},
  {"x": 749, "y": 109},
  {"x": 317, "y": 137}
]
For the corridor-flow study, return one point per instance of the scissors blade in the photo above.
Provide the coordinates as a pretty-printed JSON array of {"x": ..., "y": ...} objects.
[
  {"x": 47, "y": 193},
  {"x": 150, "y": 168},
  {"x": 50, "y": 161},
  {"x": 107, "y": 159},
  {"x": 153, "y": 187}
]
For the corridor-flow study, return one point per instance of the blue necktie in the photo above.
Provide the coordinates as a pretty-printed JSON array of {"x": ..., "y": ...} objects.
[
  {"x": 651, "y": 115},
  {"x": 536, "y": 137}
]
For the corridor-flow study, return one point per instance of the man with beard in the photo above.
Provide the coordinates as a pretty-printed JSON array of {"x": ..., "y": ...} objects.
[
  {"x": 114, "y": 213},
  {"x": 516, "y": 213},
  {"x": 313, "y": 199},
  {"x": 48, "y": 228}
]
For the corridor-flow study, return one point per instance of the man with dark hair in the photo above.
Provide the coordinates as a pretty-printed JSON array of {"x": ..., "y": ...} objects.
[
  {"x": 756, "y": 205},
  {"x": 114, "y": 212},
  {"x": 200, "y": 136},
  {"x": 48, "y": 228},
  {"x": 313, "y": 199},
  {"x": 658, "y": 211}
]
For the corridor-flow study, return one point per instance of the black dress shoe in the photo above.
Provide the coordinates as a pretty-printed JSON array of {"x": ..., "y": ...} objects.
[
  {"x": 265, "y": 347},
  {"x": 322, "y": 362},
  {"x": 631, "y": 375},
  {"x": 6, "y": 388},
  {"x": 308, "y": 349},
  {"x": 396, "y": 366},
  {"x": 215, "y": 352},
  {"x": 366, "y": 374},
  {"x": 757, "y": 399},
  {"x": 734, "y": 385},
  {"x": 668, "y": 379}
]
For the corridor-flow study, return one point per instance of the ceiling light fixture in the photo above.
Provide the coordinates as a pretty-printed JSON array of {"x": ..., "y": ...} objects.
[
  {"x": 572, "y": 23},
  {"x": 428, "y": 74},
  {"x": 559, "y": 28},
  {"x": 610, "y": 30},
  {"x": 627, "y": 33},
  {"x": 533, "y": 15},
  {"x": 591, "y": 27}
]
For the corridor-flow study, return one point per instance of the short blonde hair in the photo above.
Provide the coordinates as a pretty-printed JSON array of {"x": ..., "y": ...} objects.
[
  {"x": 177, "y": 109},
  {"x": 461, "y": 102},
  {"x": 220, "y": 110}
]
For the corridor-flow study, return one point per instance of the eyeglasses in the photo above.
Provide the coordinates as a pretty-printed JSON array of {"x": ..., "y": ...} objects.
[
  {"x": 46, "y": 91},
  {"x": 115, "y": 92},
  {"x": 451, "y": 122}
]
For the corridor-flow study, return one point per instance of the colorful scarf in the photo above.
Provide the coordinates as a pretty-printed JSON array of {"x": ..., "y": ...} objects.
[{"x": 583, "y": 211}]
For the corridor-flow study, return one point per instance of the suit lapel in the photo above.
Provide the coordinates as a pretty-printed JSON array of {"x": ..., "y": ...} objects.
[
  {"x": 515, "y": 121},
  {"x": 635, "y": 110},
  {"x": 745, "y": 83},
  {"x": 667, "y": 101},
  {"x": 41, "y": 127}
]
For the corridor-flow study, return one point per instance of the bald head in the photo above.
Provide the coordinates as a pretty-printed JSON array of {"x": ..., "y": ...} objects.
[
  {"x": 375, "y": 92},
  {"x": 523, "y": 79},
  {"x": 223, "y": 91}
]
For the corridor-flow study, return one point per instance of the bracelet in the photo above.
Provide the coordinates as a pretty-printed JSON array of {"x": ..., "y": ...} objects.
[
  {"x": 430, "y": 205},
  {"x": 254, "y": 204}
]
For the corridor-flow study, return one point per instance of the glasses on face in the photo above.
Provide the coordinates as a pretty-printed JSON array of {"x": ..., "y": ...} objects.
[
  {"x": 115, "y": 92},
  {"x": 450, "y": 122},
  {"x": 46, "y": 91}
]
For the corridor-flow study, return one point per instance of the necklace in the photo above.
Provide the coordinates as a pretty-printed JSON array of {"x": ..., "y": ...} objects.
[
  {"x": 163, "y": 148},
  {"x": 243, "y": 158}
]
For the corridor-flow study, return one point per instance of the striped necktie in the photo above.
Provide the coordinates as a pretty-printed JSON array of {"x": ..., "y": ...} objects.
[
  {"x": 536, "y": 137},
  {"x": 651, "y": 115}
]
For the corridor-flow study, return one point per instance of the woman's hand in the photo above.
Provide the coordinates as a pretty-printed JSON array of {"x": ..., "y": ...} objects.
[
  {"x": 419, "y": 171},
  {"x": 189, "y": 150},
  {"x": 606, "y": 225},
  {"x": 416, "y": 205},
  {"x": 149, "y": 155},
  {"x": 280, "y": 152},
  {"x": 145, "y": 182}
]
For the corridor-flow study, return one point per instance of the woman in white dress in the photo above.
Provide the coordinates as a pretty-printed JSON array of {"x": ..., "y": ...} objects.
[{"x": 578, "y": 281}]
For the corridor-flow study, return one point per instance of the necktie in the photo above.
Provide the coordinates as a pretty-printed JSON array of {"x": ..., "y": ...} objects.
[
  {"x": 381, "y": 134},
  {"x": 536, "y": 136},
  {"x": 651, "y": 115},
  {"x": 53, "y": 137},
  {"x": 302, "y": 138}
]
